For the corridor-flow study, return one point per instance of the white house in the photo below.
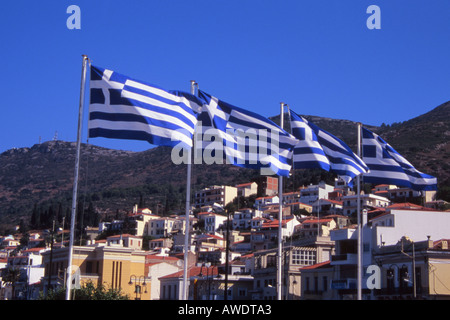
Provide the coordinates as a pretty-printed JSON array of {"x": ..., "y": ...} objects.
[
  {"x": 31, "y": 269},
  {"x": 311, "y": 193},
  {"x": 157, "y": 270},
  {"x": 260, "y": 202},
  {"x": 417, "y": 225},
  {"x": 161, "y": 227},
  {"x": 171, "y": 286},
  {"x": 368, "y": 202},
  {"x": 125, "y": 240},
  {"x": 384, "y": 230},
  {"x": 213, "y": 221},
  {"x": 270, "y": 227},
  {"x": 242, "y": 219},
  {"x": 247, "y": 189},
  {"x": 221, "y": 195},
  {"x": 328, "y": 206}
]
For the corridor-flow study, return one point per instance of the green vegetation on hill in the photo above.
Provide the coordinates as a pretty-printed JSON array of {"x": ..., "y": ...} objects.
[{"x": 40, "y": 178}]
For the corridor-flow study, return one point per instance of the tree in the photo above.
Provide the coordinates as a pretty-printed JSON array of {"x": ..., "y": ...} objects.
[
  {"x": 88, "y": 291},
  {"x": 11, "y": 275},
  {"x": 35, "y": 218}
]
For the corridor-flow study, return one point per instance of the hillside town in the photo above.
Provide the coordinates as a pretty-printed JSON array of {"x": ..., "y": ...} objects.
[{"x": 405, "y": 234}]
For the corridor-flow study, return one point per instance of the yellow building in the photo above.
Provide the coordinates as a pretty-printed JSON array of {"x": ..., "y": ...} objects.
[
  {"x": 221, "y": 195},
  {"x": 431, "y": 279},
  {"x": 113, "y": 265}
]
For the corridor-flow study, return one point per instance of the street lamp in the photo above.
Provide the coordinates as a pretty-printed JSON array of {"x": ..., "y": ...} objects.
[
  {"x": 208, "y": 278},
  {"x": 403, "y": 277},
  {"x": 137, "y": 285},
  {"x": 413, "y": 258}
]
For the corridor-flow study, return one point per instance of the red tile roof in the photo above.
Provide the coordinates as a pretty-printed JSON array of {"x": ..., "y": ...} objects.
[
  {"x": 323, "y": 220},
  {"x": 193, "y": 272},
  {"x": 317, "y": 266},
  {"x": 244, "y": 184}
]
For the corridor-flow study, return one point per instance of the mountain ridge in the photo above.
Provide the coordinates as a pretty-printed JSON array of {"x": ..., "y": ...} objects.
[{"x": 116, "y": 179}]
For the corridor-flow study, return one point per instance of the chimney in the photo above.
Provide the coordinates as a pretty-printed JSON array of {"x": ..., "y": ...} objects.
[
  {"x": 430, "y": 242},
  {"x": 364, "y": 217}
]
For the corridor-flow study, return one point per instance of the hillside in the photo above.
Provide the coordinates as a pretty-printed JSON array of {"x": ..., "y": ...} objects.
[
  {"x": 111, "y": 179},
  {"x": 424, "y": 141},
  {"x": 114, "y": 180}
]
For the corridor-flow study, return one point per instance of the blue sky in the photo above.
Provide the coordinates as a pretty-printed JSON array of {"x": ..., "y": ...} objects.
[{"x": 317, "y": 56}]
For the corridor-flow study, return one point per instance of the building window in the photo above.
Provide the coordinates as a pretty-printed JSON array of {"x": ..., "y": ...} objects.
[
  {"x": 303, "y": 257},
  {"x": 116, "y": 274},
  {"x": 366, "y": 247},
  {"x": 88, "y": 267},
  {"x": 271, "y": 261},
  {"x": 390, "y": 280}
]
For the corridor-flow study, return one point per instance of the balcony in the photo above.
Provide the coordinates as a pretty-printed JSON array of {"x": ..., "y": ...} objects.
[
  {"x": 343, "y": 234},
  {"x": 313, "y": 294},
  {"x": 405, "y": 293},
  {"x": 342, "y": 259},
  {"x": 343, "y": 284}
]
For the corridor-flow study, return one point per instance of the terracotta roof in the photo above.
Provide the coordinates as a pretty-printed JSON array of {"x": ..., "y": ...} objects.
[
  {"x": 33, "y": 250},
  {"x": 162, "y": 258},
  {"x": 404, "y": 205},
  {"x": 324, "y": 220},
  {"x": 290, "y": 204},
  {"x": 207, "y": 235},
  {"x": 244, "y": 184},
  {"x": 317, "y": 266},
  {"x": 268, "y": 197},
  {"x": 126, "y": 235},
  {"x": 438, "y": 244},
  {"x": 332, "y": 201},
  {"x": 192, "y": 272},
  {"x": 274, "y": 223}
]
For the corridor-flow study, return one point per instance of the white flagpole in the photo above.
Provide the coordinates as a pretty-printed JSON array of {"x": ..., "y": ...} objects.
[
  {"x": 188, "y": 207},
  {"x": 75, "y": 183},
  {"x": 358, "y": 213},
  {"x": 280, "y": 217}
]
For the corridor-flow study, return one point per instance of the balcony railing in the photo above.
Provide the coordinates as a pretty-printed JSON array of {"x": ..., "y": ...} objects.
[{"x": 346, "y": 258}]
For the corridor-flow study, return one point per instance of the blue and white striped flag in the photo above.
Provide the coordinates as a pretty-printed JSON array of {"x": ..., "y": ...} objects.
[
  {"x": 387, "y": 166},
  {"x": 341, "y": 158},
  {"x": 243, "y": 138},
  {"x": 124, "y": 108},
  {"x": 308, "y": 153}
]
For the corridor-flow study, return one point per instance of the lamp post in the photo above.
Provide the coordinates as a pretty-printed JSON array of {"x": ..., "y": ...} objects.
[
  {"x": 391, "y": 276},
  {"x": 402, "y": 278},
  {"x": 209, "y": 277},
  {"x": 413, "y": 258},
  {"x": 137, "y": 285}
]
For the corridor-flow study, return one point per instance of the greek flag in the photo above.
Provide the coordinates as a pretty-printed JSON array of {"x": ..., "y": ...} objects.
[
  {"x": 308, "y": 153},
  {"x": 243, "y": 138},
  {"x": 387, "y": 166},
  {"x": 341, "y": 158},
  {"x": 124, "y": 108}
]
